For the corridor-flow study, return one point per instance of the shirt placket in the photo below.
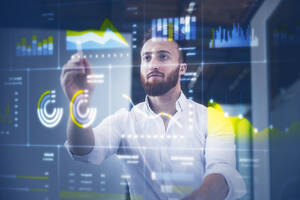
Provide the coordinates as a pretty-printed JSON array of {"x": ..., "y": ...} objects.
[{"x": 164, "y": 153}]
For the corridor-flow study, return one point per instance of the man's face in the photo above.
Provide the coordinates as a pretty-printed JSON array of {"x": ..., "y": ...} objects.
[{"x": 159, "y": 66}]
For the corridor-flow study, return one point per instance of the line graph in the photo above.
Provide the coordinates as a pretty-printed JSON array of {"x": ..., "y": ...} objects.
[{"x": 107, "y": 37}]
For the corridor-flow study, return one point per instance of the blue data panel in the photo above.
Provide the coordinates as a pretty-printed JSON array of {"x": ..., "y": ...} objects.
[
  {"x": 231, "y": 43},
  {"x": 13, "y": 119},
  {"x": 28, "y": 173},
  {"x": 80, "y": 180},
  {"x": 178, "y": 28},
  {"x": 236, "y": 36},
  {"x": 37, "y": 48},
  {"x": 48, "y": 108}
]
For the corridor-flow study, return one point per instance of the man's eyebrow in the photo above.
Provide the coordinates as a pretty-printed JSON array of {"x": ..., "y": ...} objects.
[
  {"x": 163, "y": 51},
  {"x": 159, "y": 51},
  {"x": 147, "y": 53}
]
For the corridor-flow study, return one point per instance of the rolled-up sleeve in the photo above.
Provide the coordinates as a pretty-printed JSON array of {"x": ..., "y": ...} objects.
[
  {"x": 107, "y": 139},
  {"x": 220, "y": 153}
]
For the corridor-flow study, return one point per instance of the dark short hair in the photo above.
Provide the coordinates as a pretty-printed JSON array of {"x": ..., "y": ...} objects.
[{"x": 182, "y": 59}]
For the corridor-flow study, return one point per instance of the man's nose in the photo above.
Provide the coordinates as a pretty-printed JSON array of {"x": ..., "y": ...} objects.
[{"x": 154, "y": 63}]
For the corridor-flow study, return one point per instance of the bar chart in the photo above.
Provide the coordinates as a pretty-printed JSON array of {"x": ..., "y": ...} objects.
[
  {"x": 35, "y": 46},
  {"x": 236, "y": 36},
  {"x": 178, "y": 28}
]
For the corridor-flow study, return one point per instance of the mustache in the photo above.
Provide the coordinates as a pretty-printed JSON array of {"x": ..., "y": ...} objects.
[{"x": 155, "y": 73}]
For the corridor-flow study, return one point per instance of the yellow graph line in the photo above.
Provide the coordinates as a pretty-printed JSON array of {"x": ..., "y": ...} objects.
[
  {"x": 242, "y": 127},
  {"x": 71, "y": 108},
  {"x": 34, "y": 177},
  {"x": 213, "y": 37},
  {"x": 6, "y": 113},
  {"x": 182, "y": 189},
  {"x": 38, "y": 190},
  {"x": 64, "y": 194},
  {"x": 105, "y": 24},
  {"x": 41, "y": 97}
]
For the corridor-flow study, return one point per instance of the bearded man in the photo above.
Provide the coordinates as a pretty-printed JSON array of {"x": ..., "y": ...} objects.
[{"x": 178, "y": 155}]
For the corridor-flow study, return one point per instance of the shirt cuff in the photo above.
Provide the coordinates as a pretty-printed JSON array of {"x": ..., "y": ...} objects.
[
  {"x": 236, "y": 184},
  {"x": 93, "y": 157}
]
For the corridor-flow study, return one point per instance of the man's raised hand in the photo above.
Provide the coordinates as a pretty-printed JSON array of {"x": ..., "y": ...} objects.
[{"x": 74, "y": 76}]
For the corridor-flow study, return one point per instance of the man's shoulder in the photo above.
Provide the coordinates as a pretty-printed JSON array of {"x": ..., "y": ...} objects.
[{"x": 139, "y": 106}]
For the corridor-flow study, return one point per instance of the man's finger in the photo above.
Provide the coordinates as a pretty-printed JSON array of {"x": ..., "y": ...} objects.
[
  {"x": 72, "y": 65},
  {"x": 88, "y": 68}
]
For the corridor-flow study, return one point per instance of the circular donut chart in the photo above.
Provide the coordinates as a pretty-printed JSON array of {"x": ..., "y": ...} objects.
[
  {"x": 87, "y": 118},
  {"x": 48, "y": 119}
]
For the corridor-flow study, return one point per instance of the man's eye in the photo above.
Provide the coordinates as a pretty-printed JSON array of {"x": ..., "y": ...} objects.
[
  {"x": 147, "y": 58},
  {"x": 163, "y": 57}
]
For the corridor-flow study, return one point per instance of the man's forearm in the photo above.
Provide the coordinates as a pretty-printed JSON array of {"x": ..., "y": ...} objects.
[
  {"x": 82, "y": 140},
  {"x": 213, "y": 187}
]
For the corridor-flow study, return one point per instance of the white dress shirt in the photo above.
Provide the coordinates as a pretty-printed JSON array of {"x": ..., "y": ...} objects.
[{"x": 167, "y": 163}]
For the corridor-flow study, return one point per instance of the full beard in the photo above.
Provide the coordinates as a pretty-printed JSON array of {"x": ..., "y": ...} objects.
[{"x": 160, "y": 87}]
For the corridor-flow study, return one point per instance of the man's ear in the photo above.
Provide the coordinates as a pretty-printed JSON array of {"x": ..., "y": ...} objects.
[{"x": 182, "y": 68}]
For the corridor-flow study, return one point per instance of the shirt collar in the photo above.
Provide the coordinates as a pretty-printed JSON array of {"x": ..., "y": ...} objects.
[{"x": 180, "y": 103}]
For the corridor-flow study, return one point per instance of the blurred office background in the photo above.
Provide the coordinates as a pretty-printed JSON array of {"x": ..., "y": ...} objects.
[{"x": 243, "y": 59}]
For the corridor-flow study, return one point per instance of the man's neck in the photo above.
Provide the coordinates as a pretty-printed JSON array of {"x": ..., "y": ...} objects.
[{"x": 165, "y": 103}]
